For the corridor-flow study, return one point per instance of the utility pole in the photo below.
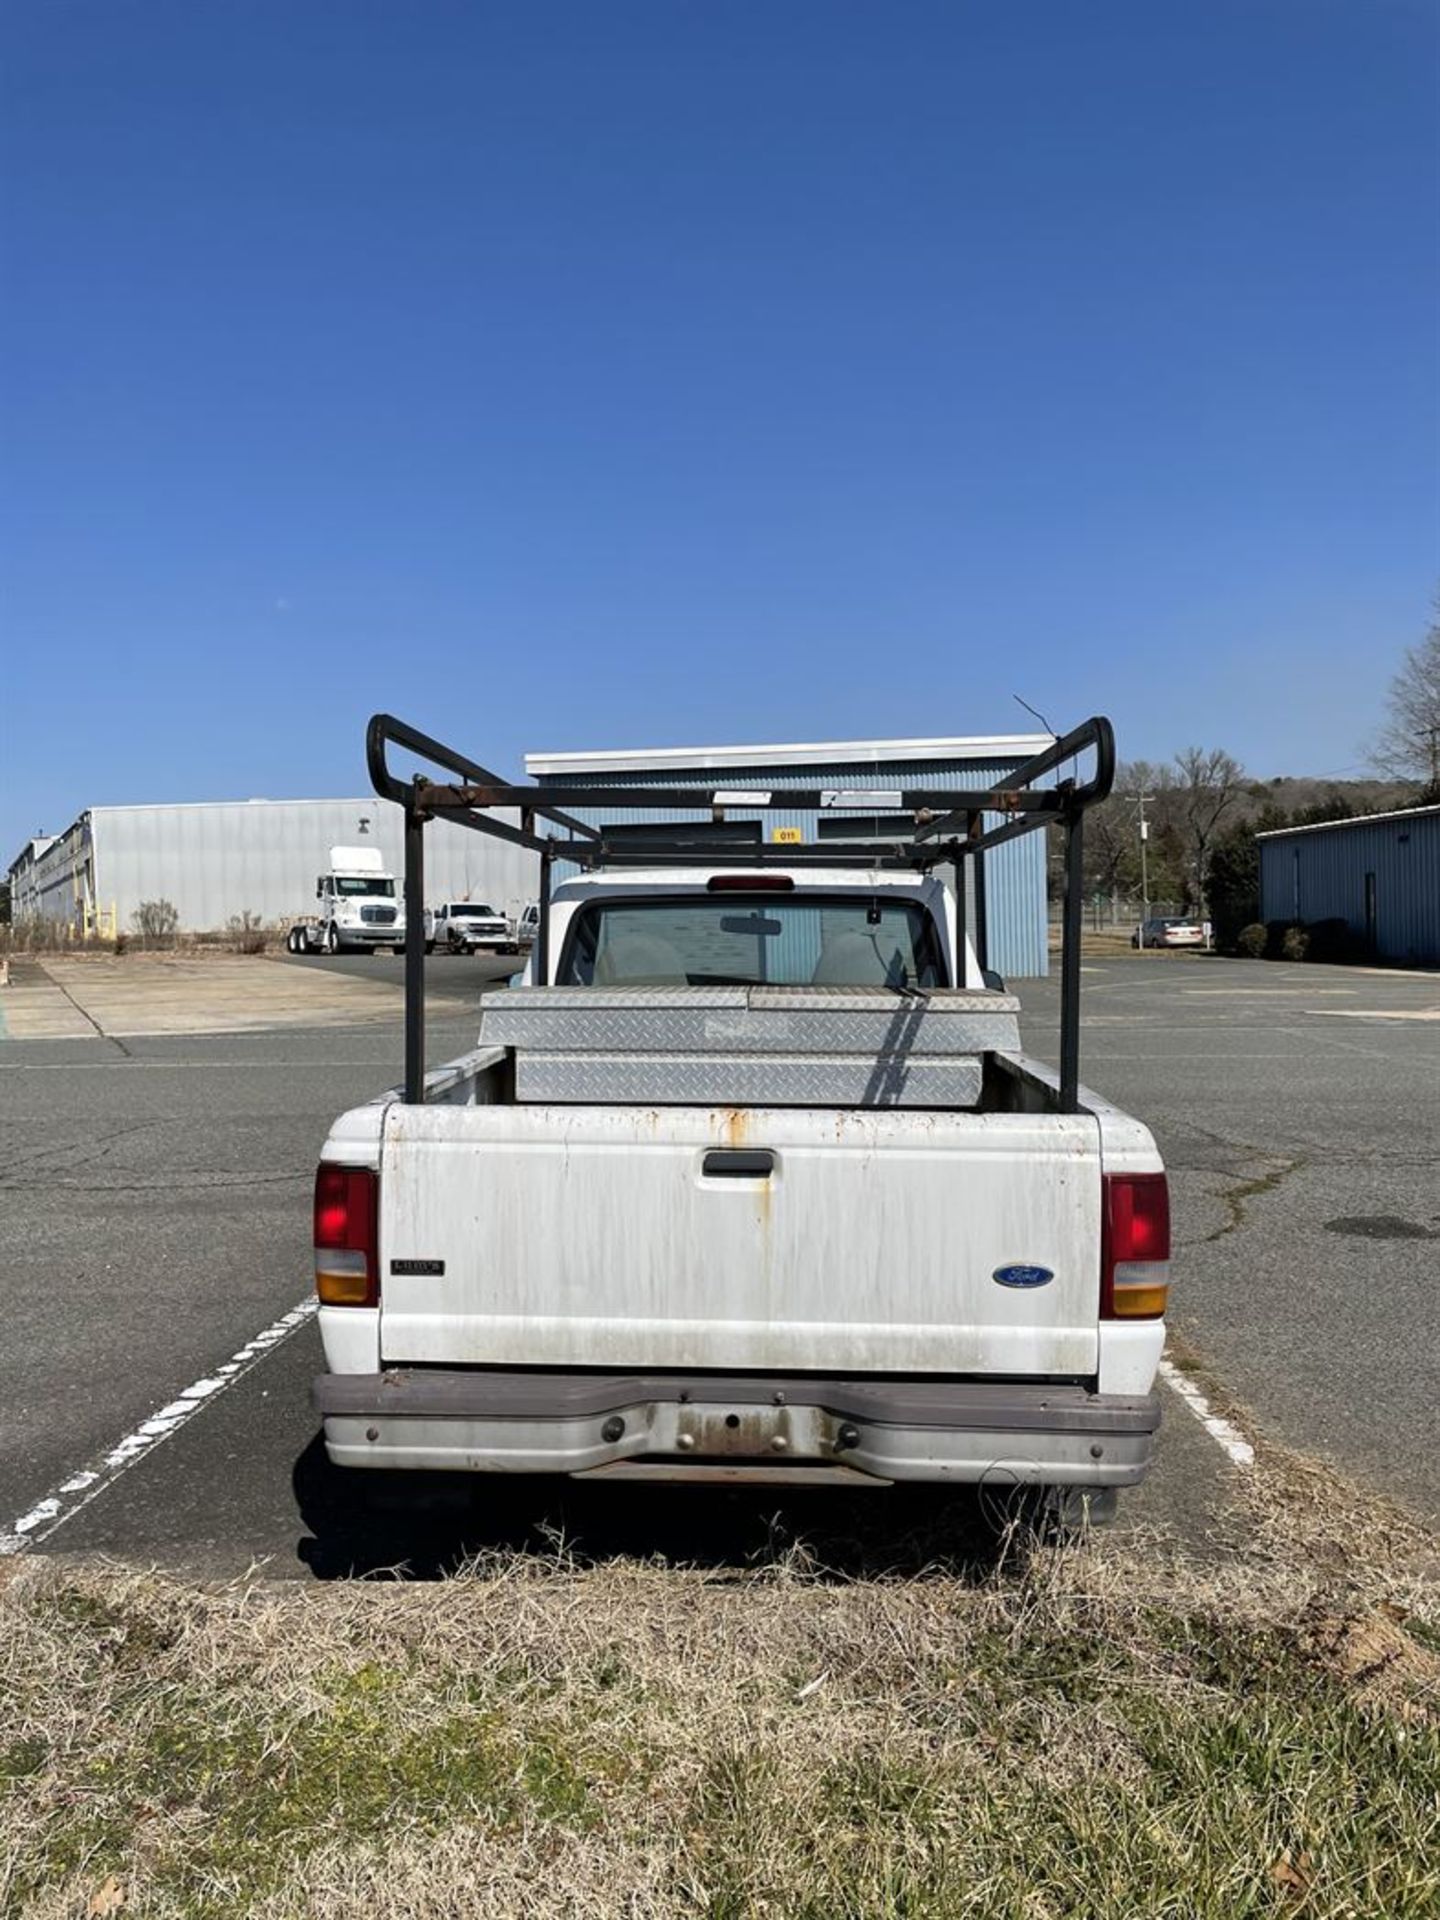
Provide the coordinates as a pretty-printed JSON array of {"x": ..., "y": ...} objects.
[{"x": 1144, "y": 866}]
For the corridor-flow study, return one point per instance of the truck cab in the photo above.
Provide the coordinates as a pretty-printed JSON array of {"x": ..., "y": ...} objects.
[{"x": 357, "y": 907}]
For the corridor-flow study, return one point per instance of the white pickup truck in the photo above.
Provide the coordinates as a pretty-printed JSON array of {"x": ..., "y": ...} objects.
[
  {"x": 468, "y": 926},
  {"x": 750, "y": 1181}
]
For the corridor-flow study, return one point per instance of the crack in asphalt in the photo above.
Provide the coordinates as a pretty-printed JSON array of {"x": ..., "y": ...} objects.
[
  {"x": 46, "y": 1159},
  {"x": 174, "y": 1184},
  {"x": 1237, "y": 1199},
  {"x": 85, "y": 1013},
  {"x": 1275, "y": 1169}
]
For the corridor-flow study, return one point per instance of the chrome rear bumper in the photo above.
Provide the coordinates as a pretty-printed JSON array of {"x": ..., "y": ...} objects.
[{"x": 736, "y": 1428}]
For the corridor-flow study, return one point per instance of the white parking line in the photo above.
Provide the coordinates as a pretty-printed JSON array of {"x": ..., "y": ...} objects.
[
  {"x": 1376, "y": 1013},
  {"x": 79, "y": 1489},
  {"x": 1219, "y": 1430}
]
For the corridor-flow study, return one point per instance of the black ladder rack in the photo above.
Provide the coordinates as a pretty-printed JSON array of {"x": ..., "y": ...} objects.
[{"x": 917, "y": 828}]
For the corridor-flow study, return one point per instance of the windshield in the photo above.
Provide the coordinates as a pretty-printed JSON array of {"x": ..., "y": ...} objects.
[
  {"x": 463, "y": 907},
  {"x": 739, "y": 939},
  {"x": 371, "y": 885}
]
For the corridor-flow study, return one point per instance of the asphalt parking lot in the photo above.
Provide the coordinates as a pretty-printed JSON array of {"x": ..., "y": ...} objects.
[
  {"x": 1298, "y": 1111},
  {"x": 157, "y": 1201},
  {"x": 445, "y": 973}
]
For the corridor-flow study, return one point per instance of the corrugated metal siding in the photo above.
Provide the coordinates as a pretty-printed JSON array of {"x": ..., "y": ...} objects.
[
  {"x": 259, "y": 856},
  {"x": 24, "y": 877},
  {"x": 1014, "y": 873},
  {"x": 1320, "y": 875},
  {"x": 61, "y": 880}
]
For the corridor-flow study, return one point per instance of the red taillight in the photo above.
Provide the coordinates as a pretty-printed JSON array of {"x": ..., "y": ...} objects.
[
  {"x": 346, "y": 1207},
  {"x": 1134, "y": 1269},
  {"x": 750, "y": 883}
]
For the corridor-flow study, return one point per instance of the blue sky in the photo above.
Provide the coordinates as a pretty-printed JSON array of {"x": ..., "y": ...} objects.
[{"x": 617, "y": 374}]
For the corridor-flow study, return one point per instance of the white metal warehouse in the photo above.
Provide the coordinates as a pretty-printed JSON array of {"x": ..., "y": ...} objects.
[{"x": 214, "y": 861}]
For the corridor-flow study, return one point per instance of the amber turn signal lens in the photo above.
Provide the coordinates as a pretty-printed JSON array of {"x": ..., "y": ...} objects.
[
  {"x": 1138, "y": 1301},
  {"x": 342, "y": 1285}
]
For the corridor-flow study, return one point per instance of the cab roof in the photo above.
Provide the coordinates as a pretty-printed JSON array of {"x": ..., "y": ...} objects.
[{"x": 693, "y": 880}]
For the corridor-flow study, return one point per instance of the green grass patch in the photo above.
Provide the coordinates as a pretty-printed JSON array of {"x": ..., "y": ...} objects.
[
  {"x": 1156, "y": 1805},
  {"x": 248, "y": 1782}
]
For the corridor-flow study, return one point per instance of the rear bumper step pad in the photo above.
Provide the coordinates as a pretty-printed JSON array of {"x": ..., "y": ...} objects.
[{"x": 703, "y": 1426}]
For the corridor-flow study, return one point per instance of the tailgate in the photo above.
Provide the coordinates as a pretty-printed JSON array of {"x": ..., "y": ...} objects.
[{"x": 740, "y": 1238}]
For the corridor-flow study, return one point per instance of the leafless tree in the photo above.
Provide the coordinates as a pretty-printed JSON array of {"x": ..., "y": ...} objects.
[
  {"x": 1113, "y": 860},
  {"x": 1149, "y": 777},
  {"x": 1408, "y": 747},
  {"x": 1208, "y": 786},
  {"x": 1111, "y": 844}
]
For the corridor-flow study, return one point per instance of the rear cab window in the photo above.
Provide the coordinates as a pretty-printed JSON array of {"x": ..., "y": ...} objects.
[{"x": 739, "y": 939}]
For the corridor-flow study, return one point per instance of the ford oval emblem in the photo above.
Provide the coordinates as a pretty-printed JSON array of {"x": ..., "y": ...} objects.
[{"x": 1019, "y": 1276}]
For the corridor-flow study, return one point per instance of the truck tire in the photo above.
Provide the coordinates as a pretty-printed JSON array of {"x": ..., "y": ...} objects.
[
  {"x": 429, "y": 947},
  {"x": 292, "y": 940},
  {"x": 332, "y": 938}
]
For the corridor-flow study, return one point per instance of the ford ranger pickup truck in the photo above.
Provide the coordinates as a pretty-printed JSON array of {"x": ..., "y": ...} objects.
[{"x": 750, "y": 1180}]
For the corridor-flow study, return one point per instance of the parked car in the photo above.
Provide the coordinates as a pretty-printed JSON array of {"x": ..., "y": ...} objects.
[
  {"x": 465, "y": 925},
  {"x": 1168, "y": 933}
]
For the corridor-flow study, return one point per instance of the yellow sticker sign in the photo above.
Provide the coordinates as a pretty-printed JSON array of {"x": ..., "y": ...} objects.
[{"x": 786, "y": 836}]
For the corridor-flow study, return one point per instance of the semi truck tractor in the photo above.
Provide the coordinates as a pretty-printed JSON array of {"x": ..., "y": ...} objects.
[{"x": 357, "y": 907}]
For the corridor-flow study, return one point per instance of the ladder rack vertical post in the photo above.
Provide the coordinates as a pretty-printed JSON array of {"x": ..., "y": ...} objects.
[
  {"x": 962, "y": 973},
  {"x": 542, "y": 931},
  {"x": 1070, "y": 962},
  {"x": 414, "y": 953}
]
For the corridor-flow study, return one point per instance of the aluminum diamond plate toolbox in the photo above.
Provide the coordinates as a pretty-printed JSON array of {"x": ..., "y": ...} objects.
[
  {"x": 754, "y": 1080},
  {"x": 739, "y": 1021}
]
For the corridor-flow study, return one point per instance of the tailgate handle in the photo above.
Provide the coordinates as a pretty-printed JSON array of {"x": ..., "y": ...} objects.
[{"x": 739, "y": 1163}]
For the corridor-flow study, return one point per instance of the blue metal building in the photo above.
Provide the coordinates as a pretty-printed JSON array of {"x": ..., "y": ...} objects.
[
  {"x": 1378, "y": 873},
  {"x": 1014, "y": 873}
]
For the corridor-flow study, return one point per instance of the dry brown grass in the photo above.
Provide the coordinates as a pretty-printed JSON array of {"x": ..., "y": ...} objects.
[
  {"x": 58, "y": 938},
  {"x": 1104, "y": 1730}
]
